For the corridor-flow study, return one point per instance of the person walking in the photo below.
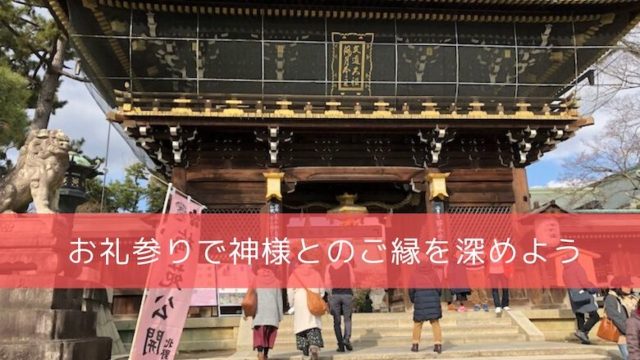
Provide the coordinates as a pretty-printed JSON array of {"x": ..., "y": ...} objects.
[
  {"x": 499, "y": 272},
  {"x": 582, "y": 298},
  {"x": 269, "y": 312},
  {"x": 341, "y": 301},
  {"x": 477, "y": 277},
  {"x": 306, "y": 326},
  {"x": 457, "y": 279},
  {"x": 425, "y": 295},
  {"x": 615, "y": 310},
  {"x": 633, "y": 334}
]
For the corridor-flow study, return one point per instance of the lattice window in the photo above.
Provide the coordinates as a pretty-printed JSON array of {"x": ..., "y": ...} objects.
[
  {"x": 233, "y": 210},
  {"x": 250, "y": 223},
  {"x": 479, "y": 210},
  {"x": 502, "y": 229}
]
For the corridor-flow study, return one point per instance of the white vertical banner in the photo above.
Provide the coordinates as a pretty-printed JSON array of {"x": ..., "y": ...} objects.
[{"x": 165, "y": 305}]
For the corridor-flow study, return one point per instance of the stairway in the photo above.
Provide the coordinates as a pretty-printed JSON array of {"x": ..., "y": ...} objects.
[
  {"x": 392, "y": 329},
  {"x": 471, "y": 335}
]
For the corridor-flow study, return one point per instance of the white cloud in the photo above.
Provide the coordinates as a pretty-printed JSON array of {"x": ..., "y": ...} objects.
[
  {"x": 562, "y": 183},
  {"x": 601, "y": 116}
]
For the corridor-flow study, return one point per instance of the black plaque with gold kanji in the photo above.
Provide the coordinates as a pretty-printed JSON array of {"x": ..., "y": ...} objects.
[{"x": 351, "y": 64}]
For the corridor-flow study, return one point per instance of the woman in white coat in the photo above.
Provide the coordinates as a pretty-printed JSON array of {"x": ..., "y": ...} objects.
[{"x": 307, "y": 327}]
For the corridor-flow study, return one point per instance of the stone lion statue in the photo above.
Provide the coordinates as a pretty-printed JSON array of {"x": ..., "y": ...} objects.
[{"x": 38, "y": 175}]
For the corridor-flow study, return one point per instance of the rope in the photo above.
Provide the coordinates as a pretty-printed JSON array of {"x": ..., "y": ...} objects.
[{"x": 106, "y": 168}]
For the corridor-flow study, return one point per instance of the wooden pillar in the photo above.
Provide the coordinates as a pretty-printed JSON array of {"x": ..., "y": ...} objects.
[
  {"x": 522, "y": 205},
  {"x": 273, "y": 205},
  {"x": 179, "y": 178},
  {"x": 521, "y": 191},
  {"x": 436, "y": 197}
]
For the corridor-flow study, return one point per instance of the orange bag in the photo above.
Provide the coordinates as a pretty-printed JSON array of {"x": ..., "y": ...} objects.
[
  {"x": 607, "y": 330},
  {"x": 250, "y": 303},
  {"x": 315, "y": 303}
]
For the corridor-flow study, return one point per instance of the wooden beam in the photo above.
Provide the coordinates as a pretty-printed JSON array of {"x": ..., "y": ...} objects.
[
  {"x": 480, "y": 187},
  {"x": 229, "y": 193},
  {"x": 346, "y": 123},
  {"x": 481, "y": 198},
  {"x": 495, "y": 174},
  {"x": 206, "y": 173},
  {"x": 354, "y": 174}
]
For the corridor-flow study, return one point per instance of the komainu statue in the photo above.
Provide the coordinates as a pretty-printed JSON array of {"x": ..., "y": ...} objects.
[{"x": 38, "y": 175}]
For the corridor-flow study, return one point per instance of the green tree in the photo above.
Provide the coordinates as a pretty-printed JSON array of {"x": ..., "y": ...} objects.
[
  {"x": 156, "y": 192},
  {"x": 137, "y": 192},
  {"x": 33, "y": 46},
  {"x": 128, "y": 193},
  {"x": 13, "y": 118}
]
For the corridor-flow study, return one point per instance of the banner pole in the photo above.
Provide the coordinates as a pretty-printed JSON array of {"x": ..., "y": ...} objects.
[
  {"x": 146, "y": 290},
  {"x": 166, "y": 198}
]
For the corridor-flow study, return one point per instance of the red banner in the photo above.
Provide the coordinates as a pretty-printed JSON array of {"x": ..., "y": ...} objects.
[{"x": 385, "y": 251}]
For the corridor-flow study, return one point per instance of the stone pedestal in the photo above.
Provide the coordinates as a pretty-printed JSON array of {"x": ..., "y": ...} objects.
[
  {"x": 48, "y": 324},
  {"x": 45, "y": 323},
  {"x": 377, "y": 300}
]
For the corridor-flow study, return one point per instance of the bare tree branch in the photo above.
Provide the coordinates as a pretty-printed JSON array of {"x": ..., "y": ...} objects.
[{"x": 72, "y": 76}]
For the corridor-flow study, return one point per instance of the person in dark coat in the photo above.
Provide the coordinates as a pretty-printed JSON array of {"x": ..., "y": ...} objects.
[
  {"x": 581, "y": 296},
  {"x": 425, "y": 295},
  {"x": 633, "y": 334},
  {"x": 617, "y": 312}
]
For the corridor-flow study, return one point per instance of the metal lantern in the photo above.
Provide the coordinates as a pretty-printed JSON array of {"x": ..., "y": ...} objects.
[{"x": 73, "y": 191}]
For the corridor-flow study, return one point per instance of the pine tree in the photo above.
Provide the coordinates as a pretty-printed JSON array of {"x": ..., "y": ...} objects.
[
  {"x": 33, "y": 46},
  {"x": 13, "y": 118}
]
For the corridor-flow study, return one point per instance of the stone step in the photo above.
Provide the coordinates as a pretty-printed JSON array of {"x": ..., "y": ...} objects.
[
  {"x": 568, "y": 336},
  {"x": 288, "y": 342},
  {"x": 407, "y": 325},
  {"x": 426, "y": 330},
  {"x": 201, "y": 345},
  {"x": 498, "y": 351},
  {"x": 447, "y": 320},
  {"x": 542, "y": 357},
  {"x": 92, "y": 348},
  {"x": 17, "y": 324},
  {"x": 205, "y": 345},
  {"x": 409, "y": 315},
  {"x": 409, "y": 356}
]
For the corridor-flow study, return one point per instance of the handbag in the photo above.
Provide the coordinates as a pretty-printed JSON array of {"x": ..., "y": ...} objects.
[
  {"x": 250, "y": 303},
  {"x": 317, "y": 306},
  {"x": 607, "y": 330}
]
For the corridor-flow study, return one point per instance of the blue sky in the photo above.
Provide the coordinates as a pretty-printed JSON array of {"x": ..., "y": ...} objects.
[{"x": 82, "y": 117}]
